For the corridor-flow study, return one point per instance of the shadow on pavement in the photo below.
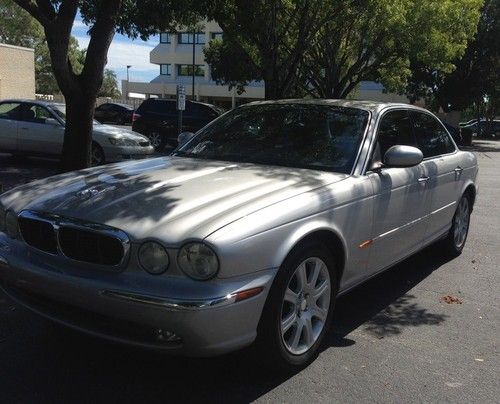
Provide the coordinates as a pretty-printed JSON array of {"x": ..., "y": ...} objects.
[{"x": 42, "y": 362}]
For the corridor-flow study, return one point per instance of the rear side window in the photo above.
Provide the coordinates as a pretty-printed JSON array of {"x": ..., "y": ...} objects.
[
  {"x": 36, "y": 114},
  {"x": 395, "y": 129},
  {"x": 10, "y": 110},
  {"x": 157, "y": 106},
  {"x": 431, "y": 136}
]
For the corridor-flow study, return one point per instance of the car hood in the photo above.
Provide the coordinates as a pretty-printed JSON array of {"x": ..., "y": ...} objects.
[
  {"x": 112, "y": 131},
  {"x": 168, "y": 198}
]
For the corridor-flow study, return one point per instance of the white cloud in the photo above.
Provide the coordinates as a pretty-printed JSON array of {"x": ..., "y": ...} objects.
[{"x": 123, "y": 53}]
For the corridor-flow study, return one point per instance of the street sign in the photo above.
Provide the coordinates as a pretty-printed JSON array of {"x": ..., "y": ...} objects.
[{"x": 181, "y": 97}]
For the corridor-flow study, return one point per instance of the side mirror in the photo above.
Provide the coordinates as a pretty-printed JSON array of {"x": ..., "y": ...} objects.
[
  {"x": 403, "y": 156},
  {"x": 185, "y": 137},
  {"x": 52, "y": 122}
]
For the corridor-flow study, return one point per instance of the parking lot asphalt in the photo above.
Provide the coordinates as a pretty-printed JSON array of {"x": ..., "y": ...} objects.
[{"x": 394, "y": 339}]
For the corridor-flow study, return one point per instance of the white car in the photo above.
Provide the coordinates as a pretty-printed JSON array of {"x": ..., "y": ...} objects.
[{"x": 36, "y": 128}]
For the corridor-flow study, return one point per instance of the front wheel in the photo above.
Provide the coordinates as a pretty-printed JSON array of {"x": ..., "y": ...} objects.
[
  {"x": 97, "y": 157},
  {"x": 299, "y": 308},
  {"x": 157, "y": 140},
  {"x": 455, "y": 241}
]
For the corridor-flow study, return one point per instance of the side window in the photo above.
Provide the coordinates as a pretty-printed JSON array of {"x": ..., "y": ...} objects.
[
  {"x": 10, "y": 110},
  {"x": 36, "y": 114},
  {"x": 394, "y": 129},
  {"x": 431, "y": 136}
]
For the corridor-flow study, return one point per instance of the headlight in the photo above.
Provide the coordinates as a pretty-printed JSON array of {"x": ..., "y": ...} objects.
[
  {"x": 11, "y": 225},
  {"x": 121, "y": 141},
  {"x": 198, "y": 261},
  {"x": 153, "y": 258}
]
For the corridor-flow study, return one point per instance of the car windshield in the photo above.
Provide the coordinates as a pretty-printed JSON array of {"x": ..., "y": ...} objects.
[
  {"x": 310, "y": 136},
  {"x": 60, "y": 111}
]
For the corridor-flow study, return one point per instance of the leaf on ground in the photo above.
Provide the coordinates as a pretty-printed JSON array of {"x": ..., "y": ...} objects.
[{"x": 448, "y": 299}]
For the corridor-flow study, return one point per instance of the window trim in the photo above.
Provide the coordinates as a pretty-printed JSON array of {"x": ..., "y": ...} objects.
[
  {"x": 366, "y": 166},
  {"x": 190, "y": 75},
  {"x": 27, "y": 105},
  {"x": 195, "y": 38},
  {"x": 425, "y": 112},
  {"x": 20, "y": 115},
  {"x": 169, "y": 36},
  {"x": 169, "y": 70}
]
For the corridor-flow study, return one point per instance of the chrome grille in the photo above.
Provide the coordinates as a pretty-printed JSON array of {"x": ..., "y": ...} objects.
[{"x": 74, "y": 239}]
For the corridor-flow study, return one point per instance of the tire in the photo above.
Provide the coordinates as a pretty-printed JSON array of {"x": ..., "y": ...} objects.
[
  {"x": 157, "y": 140},
  {"x": 457, "y": 236},
  {"x": 281, "y": 319},
  {"x": 97, "y": 156}
]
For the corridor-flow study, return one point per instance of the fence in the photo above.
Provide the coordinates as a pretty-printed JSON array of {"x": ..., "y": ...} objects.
[{"x": 135, "y": 102}]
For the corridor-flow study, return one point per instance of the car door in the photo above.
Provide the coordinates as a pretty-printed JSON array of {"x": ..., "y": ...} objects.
[
  {"x": 400, "y": 199},
  {"x": 10, "y": 113},
  {"x": 442, "y": 167},
  {"x": 101, "y": 113},
  {"x": 39, "y": 131}
]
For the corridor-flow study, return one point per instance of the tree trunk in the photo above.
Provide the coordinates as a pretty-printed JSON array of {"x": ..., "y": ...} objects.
[{"x": 76, "y": 153}]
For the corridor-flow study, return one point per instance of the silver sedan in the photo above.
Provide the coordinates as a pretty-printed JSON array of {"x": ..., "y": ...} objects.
[
  {"x": 36, "y": 128},
  {"x": 247, "y": 233}
]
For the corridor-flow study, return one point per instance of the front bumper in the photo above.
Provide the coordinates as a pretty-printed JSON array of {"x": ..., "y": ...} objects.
[{"x": 134, "y": 307}]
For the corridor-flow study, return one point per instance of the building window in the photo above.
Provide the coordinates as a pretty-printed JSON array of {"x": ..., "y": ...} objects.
[
  {"x": 187, "y": 70},
  {"x": 165, "y": 37},
  {"x": 189, "y": 38},
  {"x": 216, "y": 35},
  {"x": 165, "y": 70}
]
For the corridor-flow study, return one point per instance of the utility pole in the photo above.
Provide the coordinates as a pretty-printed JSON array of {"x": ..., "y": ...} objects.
[
  {"x": 194, "y": 62},
  {"x": 128, "y": 67}
]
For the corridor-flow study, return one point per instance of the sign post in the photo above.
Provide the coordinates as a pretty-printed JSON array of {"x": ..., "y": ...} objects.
[{"x": 181, "y": 103}]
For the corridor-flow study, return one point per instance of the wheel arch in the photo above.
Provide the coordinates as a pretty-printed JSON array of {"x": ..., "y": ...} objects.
[
  {"x": 471, "y": 191},
  {"x": 329, "y": 237}
]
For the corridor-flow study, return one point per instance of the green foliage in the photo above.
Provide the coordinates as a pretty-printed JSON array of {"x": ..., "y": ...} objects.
[
  {"x": 45, "y": 81},
  {"x": 109, "y": 86},
  {"x": 474, "y": 85},
  {"x": 17, "y": 27},
  {"x": 264, "y": 39},
  {"x": 327, "y": 47}
]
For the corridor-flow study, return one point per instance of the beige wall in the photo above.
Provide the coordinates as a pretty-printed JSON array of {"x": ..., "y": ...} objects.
[{"x": 17, "y": 72}]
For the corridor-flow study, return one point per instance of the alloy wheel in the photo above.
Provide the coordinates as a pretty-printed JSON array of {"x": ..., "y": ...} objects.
[
  {"x": 461, "y": 222},
  {"x": 155, "y": 139},
  {"x": 305, "y": 305}
]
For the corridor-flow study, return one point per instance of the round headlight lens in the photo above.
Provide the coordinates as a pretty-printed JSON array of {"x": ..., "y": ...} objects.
[
  {"x": 11, "y": 225},
  {"x": 153, "y": 257},
  {"x": 198, "y": 261}
]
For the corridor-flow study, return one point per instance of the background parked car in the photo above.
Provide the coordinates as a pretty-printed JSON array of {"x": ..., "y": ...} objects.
[
  {"x": 455, "y": 133},
  {"x": 121, "y": 114},
  {"x": 36, "y": 128},
  {"x": 158, "y": 120}
]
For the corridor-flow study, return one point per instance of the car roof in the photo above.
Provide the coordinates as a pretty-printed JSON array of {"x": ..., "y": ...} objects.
[
  {"x": 119, "y": 104},
  {"x": 373, "y": 106},
  {"x": 37, "y": 102}
]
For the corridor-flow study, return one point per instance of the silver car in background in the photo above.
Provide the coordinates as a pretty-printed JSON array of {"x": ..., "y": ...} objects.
[
  {"x": 36, "y": 128},
  {"x": 248, "y": 232}
]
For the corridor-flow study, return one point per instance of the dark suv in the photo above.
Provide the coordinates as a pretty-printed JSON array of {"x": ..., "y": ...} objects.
[{"x": 158, "y": 120}]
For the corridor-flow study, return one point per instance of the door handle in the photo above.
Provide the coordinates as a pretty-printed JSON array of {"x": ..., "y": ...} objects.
[
  {"x": 459, "y": 170},
  {"x": 423, "y": 180}
]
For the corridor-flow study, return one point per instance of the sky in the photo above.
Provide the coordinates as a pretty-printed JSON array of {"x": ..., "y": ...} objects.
[{"x": 122, "y": 52}]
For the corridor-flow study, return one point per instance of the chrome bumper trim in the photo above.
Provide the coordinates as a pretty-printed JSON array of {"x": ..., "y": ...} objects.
[{"x": 172, "y": 304}]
